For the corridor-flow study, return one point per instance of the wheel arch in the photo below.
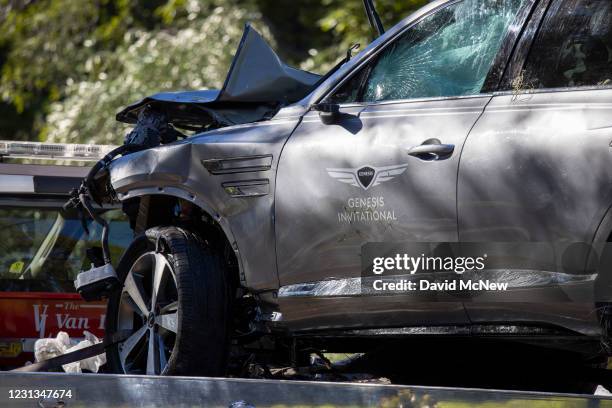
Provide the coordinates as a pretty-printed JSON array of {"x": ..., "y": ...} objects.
[{"x": 187, "y": 196}]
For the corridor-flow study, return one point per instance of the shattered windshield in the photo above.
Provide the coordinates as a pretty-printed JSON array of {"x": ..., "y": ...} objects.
[{"x": 448, "y": 53}]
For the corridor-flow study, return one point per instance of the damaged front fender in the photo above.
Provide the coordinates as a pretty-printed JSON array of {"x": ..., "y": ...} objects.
[{"x": 230, "y": 175}]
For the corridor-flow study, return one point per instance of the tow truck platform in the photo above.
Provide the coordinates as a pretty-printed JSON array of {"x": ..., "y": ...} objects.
[{"x": 106, "y": 390}]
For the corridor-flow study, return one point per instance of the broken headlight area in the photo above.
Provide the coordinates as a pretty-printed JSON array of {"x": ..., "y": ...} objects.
[
  {"x": 257, "y": 86},
  {"x": 152, "y": 129}
]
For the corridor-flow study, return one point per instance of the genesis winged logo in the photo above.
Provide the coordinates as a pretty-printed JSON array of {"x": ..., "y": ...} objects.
[{"x": 367, "y": 176}]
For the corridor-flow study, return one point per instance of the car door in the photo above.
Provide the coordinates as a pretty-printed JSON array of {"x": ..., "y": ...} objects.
[
  {"x": 386, "y": 170},
  {"x": 537, "y": 168}
]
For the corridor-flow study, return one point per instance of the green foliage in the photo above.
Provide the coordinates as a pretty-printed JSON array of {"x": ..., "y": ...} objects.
[
  {"x": 347, "y": 24},
  {"x": 146, "y": 63},
  {"x": 67, "y": 67},
  {"x": 49, "y": 42}
]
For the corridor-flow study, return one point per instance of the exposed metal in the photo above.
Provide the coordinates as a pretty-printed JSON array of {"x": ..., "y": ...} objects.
[
  {"x": 515, "y": 278},
  {"x": 133, "y": 390},
  {"x": 455, "y": 331},
  {"x": 335, "y": 287},
  {"x": 257, "y": 84}
]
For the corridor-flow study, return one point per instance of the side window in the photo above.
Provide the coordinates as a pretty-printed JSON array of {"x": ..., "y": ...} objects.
[
  {"x": 573, "y": 47},
  {"x": 448, "y": 53},
  {"x": 43, "y": 251}
]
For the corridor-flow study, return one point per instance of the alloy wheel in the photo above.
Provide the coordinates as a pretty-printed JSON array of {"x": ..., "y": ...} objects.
[{"x": 148, "y": 310}]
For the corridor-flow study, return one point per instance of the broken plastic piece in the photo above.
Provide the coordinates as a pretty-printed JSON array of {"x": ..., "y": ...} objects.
[{"x": 96, "y": 283}]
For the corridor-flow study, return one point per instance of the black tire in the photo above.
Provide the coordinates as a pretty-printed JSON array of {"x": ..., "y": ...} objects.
[{"x": 199, "y": 345}]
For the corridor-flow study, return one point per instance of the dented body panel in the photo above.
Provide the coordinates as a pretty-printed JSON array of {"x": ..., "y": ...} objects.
[
  {"x": 178, "y": 170},
  {"x": 546, "y": 162},
  {"x": 415, "y": 201},
  {"x": 296, "y": 195}
]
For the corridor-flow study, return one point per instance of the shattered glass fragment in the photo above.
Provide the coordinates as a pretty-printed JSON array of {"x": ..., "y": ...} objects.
[{"x": 446, "y": 54}]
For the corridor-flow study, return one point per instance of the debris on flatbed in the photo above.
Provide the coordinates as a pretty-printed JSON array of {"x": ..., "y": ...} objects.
[{"x": 45, "y": 349}]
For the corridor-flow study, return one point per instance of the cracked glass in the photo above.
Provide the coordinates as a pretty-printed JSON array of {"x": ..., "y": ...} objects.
[{"x": 448, "y": 53}]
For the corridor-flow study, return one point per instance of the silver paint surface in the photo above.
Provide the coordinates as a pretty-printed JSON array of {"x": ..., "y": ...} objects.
[
  {"x": 526, "y": 167},
  {"x": 538, "y": 167},
  {"x": 177, "y": 170}
]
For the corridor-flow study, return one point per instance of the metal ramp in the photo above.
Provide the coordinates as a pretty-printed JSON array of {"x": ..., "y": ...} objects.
[{"x": 103, "y": 390}]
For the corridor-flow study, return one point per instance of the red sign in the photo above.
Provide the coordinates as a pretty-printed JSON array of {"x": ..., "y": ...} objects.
[{"x": 28, "y": 316}]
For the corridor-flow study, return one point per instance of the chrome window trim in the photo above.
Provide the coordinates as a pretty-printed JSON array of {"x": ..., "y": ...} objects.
[
  {"x": 554, "y": 90},
  {"x": 430, "y": 99},
  {"x": 367, "y": 105}
]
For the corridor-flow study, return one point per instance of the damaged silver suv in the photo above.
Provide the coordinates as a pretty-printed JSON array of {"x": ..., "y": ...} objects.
[{"x": 469, "y": 121}]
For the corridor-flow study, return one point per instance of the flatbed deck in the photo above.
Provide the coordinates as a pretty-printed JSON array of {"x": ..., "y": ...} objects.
[{"x": 105, "y": 390}]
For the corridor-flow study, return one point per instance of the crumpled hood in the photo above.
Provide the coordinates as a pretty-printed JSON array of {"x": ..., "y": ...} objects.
[{"x": 257, "y": 85}]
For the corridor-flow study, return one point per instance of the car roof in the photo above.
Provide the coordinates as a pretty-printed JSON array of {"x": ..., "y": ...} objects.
[{"x": 40, "y": 179}]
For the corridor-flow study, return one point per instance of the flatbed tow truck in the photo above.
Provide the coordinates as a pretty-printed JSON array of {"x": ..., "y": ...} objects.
[
  {"x": 33, "y": 385},
  {"x": 105, "y": 390}
]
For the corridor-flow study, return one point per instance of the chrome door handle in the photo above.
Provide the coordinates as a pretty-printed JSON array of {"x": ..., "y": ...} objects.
[{"x": 432, "y": 149}]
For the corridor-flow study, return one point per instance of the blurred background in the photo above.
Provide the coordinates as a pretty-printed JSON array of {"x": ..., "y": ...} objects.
[{"x": 67, "y": 66}]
